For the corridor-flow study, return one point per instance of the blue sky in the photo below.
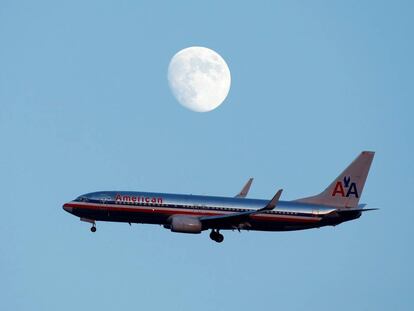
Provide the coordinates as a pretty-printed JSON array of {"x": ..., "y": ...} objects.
[{"x": 85, "y": 106}]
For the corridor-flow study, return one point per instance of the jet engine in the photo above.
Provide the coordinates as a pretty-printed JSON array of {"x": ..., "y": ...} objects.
[{"x": 185, "y": 224}]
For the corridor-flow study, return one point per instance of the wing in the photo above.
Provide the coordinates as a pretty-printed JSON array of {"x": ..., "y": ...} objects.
[
  {"x": 245, "y": 189},
  {"x": 237, "y": 218}
]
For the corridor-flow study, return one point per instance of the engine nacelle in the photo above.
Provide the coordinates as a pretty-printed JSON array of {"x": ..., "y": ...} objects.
[{"x": 185, "y": 224}]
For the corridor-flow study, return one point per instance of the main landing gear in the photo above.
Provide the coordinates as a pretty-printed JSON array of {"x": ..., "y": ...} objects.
[
  {"x": 93, "y": 228},
  {"x": 215, "y": 235}
]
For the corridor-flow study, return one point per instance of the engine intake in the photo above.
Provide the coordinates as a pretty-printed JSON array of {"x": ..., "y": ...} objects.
[{"x": 185, "y": 224}]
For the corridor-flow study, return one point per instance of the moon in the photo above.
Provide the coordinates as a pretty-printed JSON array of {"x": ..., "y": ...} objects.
[{"x": 199, "y": 78}]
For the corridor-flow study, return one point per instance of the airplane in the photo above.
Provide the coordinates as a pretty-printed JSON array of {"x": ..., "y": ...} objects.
[{"x": 338, "y": 203}]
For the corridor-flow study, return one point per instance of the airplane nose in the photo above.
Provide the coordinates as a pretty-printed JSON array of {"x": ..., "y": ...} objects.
[{"x": 67, "y": 208}]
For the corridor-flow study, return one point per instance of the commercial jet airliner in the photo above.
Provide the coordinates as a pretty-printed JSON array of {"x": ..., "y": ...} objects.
[{"x": 195, "y": 213}]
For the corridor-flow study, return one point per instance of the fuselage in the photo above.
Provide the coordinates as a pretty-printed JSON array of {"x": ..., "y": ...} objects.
[{"x": 159, "y": 208}]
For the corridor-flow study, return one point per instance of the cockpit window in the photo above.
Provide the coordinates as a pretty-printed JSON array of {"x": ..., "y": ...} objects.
[{"x": 82, "y": 199}]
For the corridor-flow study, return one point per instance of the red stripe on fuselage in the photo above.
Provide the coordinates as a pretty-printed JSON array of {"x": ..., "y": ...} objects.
[{"x": 169, "y": 211}]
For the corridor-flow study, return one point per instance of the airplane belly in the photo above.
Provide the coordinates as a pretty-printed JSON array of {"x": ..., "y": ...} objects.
[
  {"x": 283, "y": 226},
  {"x": 290, "y": 225},
  {"x": 266, "y": 223},
  {"x": 137, "y": 217},
  {"x": 121, "y": 216}
]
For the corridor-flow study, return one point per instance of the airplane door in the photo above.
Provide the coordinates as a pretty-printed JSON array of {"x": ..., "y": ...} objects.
[{"x": 105, "y": 200}]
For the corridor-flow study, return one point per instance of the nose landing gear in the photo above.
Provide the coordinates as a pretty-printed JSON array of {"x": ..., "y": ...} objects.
[
  {"x": 216, "y": 236},
  {"x": 91, "y": 221}
]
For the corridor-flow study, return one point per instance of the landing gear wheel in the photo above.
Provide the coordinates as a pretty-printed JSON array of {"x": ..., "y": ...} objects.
[
  {"x": 219, "y": 238},
  {"x": 216, "y": 236},
  {"x": 93, "y": 229}
]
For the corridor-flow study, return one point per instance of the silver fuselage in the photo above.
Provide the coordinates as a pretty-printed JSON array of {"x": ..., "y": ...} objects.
[{"x": 158, "y": 208}]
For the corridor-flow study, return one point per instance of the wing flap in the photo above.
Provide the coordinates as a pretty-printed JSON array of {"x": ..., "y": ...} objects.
[{"x": 237, "y": 218}]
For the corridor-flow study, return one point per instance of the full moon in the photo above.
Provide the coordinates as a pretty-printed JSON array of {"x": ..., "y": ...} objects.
[{"x": 199, "y": 78}]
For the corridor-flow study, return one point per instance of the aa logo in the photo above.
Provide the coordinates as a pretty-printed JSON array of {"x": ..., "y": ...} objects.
[{"x": 345, "y": 188}]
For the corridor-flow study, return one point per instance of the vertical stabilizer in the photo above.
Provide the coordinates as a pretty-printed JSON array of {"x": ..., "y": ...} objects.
[{"x": 346, "y": 189}]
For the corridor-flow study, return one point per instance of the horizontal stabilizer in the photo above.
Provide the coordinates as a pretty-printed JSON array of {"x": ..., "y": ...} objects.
[{"x": 344, "y": 211}]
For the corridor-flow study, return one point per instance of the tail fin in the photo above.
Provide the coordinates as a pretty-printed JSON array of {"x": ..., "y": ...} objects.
[{"x": 346, "y": 189}]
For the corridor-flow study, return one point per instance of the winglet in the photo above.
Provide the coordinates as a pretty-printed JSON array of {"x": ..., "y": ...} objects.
[
  {"x": 245, "y": 189},
  {"x": 273, "y": 202}
]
